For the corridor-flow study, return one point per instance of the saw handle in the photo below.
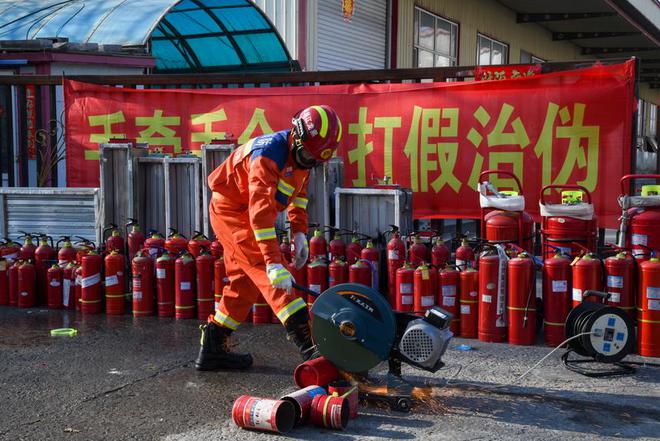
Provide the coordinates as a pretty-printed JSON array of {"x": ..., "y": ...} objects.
[{"x": 305, "y": 289}]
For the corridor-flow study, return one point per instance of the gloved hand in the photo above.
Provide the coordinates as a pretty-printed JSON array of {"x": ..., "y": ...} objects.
[
  {"x": 279, "y": 276},
  {"x": 301, "y": 249}
]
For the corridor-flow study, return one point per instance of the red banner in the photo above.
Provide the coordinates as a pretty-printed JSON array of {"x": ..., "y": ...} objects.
[{"x": 569, "y": 127}]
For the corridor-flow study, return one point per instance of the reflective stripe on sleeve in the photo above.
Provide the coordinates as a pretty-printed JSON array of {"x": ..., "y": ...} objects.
[
  {"x": 300, "y": 202},
  {"x": 285, "y": 187},
  {"x": 265, "y": 234}
]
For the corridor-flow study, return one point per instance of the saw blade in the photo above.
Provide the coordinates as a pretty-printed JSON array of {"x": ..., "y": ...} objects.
[{"x": 353, "y": 327}]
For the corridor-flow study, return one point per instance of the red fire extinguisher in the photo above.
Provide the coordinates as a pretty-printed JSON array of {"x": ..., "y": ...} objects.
[
  {"x": 337, "y": 247},
  {"x": 648, "y": 343},
  {"x": 317, "y": 277},
  {"x": 557, "y": 282},
  {"x": 353, "y": 250},
  {"x": 417, "y": 252},
  {"x": 115, "y": 283},
  {"x": 300, "y": 276},
  {"x": 134, "y": 238},
  {"x": 503, "y": 226},
  {"x": 154, "y": 244},
  {"x": 204, "y": 283},
  {"x": 261, "y": 313},
  {"x": 639, "y": 225},
  {"x": 91, "y": 289},
  {"x": 114, "y": 241},
  {"x": 27, "y": 250},
  {"x": 522, "y": 300},
  {"x": 405, "y": 281},
  {"x": 143, "y": 285},
  {"x": 12, "y": 282},
  {"x": 27, "y": 296},
  {"x": 371, "y": 256},
  {"x": 9, "y": 250},
  {"x": 184, "y": 292},
  {"x": 318, "y": 246},
  {"x": 492, "y": 299},
  {"x": 337, "y": 272},
  {"x": 197, "y": 243},
  {"x": 83, "y": 246},
  {"x": 469, "y": 293},
  {"x": 66, "y": 253},
  {"x": 44, "y": 256},
  {"x": 78, "y": 286},
  {"x": 165, "y": 285},
  {"x": 4, "y": 282},
  {"x": 448, "y": 295},
  {"x": 69, "y": 286},
  {"x": 176, "y": 243},
  {"x": 439, "y": 254},
  {"x": 220, "y": 280},
  {"x": 619, "y": 280},
  {"x": 569, "y": 234},
  {"x": 424, "y": 288},
  {"x": 216, "y": 249},
  {"x": 54, "y": 287},
  {"x": 360, "y": 272},
  {"x": 285, "y": 249},
  {"x": 586, "y": 276},
  {"x": 465, "y": 256},
  {"x": 396, "y": 257}
]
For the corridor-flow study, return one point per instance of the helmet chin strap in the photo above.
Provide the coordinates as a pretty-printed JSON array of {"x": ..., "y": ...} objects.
[{"x": 299, "y": 163}]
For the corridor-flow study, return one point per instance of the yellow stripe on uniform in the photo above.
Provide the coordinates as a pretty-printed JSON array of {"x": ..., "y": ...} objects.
[
  {"x": 300, "y": 202},
  {"x": 324, "y": 120},
  {"x": 285, "y": 187},
  {"x": 290, "y": 309},
  {"x": 225, "y": 320},
  {"x": 265, "y": 234}
]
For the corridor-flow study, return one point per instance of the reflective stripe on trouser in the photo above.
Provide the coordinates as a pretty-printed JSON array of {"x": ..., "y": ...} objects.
[{"x": 246, "y": 269}]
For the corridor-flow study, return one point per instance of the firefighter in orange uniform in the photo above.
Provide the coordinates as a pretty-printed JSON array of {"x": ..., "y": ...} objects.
[{"x": 266, "y": 175}]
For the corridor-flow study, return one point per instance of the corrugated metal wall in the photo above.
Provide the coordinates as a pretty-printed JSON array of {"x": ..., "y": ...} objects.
[
  {"x": 360, "y": 43},
  {"x": 284, "y": 15},
  {"x": 487, "y": 17}
]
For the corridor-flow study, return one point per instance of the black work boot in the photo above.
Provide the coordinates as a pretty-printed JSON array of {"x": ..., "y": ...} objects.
[
  {"x": 298, "y": 331},
  {"x": 214, "y": 352}
]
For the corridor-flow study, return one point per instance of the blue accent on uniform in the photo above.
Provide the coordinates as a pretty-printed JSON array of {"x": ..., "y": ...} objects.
[
  {"x": 611, "y": 321},
  {"x": 281, "y": 198},
  {"x": 619, "y": 336},
  {"x": 606, "y": 347},
  {"x": 274, "y": 146}
]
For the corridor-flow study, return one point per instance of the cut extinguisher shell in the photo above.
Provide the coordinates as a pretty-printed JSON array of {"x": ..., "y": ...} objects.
[
  {"x": 425, "y": 294},
  {"x": 204, "y": 285},
  {"x": 521, "y": 304},
  {"x": 90, "y": 284},
  {"x": 448, "y": 295},
  {"x": 184, "y": 289},
  {"x": 115, "y": 283},
  {"x": 405, "y": 288},
  {"x": 165, "y": 285},
  {"x": 492, "y": 312},
  {"x": 54, "y": 287},
  {"x": 469, "y": 303},
  {"x": 557, "y": 302},
  {"x": 143, "y": 285}
]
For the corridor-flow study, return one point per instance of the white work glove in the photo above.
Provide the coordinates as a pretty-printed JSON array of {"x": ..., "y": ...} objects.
[
  {"x": 301, "y": 250},
  {"x": 279, "y": 277}
]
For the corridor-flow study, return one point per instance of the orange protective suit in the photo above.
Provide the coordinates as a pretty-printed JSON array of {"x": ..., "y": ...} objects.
[{"x": 258, "y": 180}]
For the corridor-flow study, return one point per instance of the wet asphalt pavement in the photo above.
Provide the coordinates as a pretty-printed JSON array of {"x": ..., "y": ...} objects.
[{"x": 125, "y": 378}]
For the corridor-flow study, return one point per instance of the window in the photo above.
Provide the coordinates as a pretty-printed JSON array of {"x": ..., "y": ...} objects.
[
  {"x": 528, "y": 58},
  {"x": 435, "y": 40},
  {"x": 491, "y": 51}
]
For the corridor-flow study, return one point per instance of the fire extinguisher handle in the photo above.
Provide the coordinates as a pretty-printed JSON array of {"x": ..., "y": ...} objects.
[
  {"x": 485, "y": 173},
  {"x": 626, "y": 178},
  {"x": 590, "y": 292},
  {"x": 564, "y": 187}
]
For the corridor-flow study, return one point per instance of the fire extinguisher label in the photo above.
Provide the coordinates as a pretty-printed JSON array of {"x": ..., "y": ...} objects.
[
  {"x": 260, "y": 414},
  {"x": 54, "y": 283},
  {"x": 577, "y": 294},
  {"x": 393, "y": 254},
  {"x": 487, "y": 298},
  {"x": 66, "y": 286},
  {"x": 91, "y": 280},
  {"x": 406, "y": 300},
  {"x": 153, "y": 251},
  {"x": 428, "y": 300},
  {"x": 640, "y": 239},
  {"x": 10, "y": 257},
  {"x": 161, "y": 273},
  {"x": 461, "y": 263},
  {"x": 449, "y": 290},
  {"x": 615, "y": 297},
  {"x": 137, "y": 295},
  {"x": 653, "y": 293},
  {"x": 315, "y": 288},
  {"x": 559, "y": 285},
  {"x": 465, "y": 309},
  {"x": 448, "y": 301},
  {"x": 615, "y": 281},
  {"x": 111, "y": 281},
  {"x": 654, "y": 305},
  {"x": 425, "y": 274},
  {"x": 406, "y": 288},
  {"x": 185, "y": 286},
  {"x": 3, "y": 265}
]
